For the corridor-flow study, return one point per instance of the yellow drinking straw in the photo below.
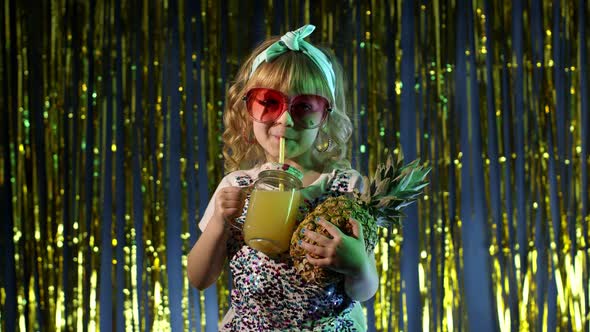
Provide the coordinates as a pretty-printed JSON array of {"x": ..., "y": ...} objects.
[
  {"x": 282, "y": 150},
  {"x": 282, "y": 158}
]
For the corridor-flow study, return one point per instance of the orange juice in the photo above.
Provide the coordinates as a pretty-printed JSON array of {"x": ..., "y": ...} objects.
[{"x": 270, "y": 220}]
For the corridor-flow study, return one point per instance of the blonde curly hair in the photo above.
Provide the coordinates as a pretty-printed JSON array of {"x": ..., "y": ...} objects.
[{"x": 296, "y": 73}]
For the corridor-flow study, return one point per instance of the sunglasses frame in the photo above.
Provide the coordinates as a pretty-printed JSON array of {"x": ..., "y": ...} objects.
[{"x": 287, "y": 108}]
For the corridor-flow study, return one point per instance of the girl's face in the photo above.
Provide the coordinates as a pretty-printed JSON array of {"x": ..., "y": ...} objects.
[{"x": 299, "y": 141}]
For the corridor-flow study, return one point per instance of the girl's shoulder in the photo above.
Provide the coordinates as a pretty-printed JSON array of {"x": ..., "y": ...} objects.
[
  {"x": 346, "y": 173},
  {"x": 245, "y": 177},
  {"x": 345, "y": 180},
  {"x": 336, "y": 180},
  {"x": 242, "y": 177}
]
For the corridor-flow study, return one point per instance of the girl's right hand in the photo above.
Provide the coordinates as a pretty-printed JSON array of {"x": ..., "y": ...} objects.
[{"x": 229, "y": 204}]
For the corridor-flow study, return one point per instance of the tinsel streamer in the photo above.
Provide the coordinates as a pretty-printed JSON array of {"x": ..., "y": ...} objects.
[
  {"x": 494, "y": 189},
  {"x": 174, "y": 250},
  {"x": 507, "y": 309},
  {"x": 387, "y": 311},
  {"x": 480, "y": 234},
  {"x": 121, "y": 133},
  {"x": 193, "y": 46},
  {"x": 9, "y": 313},
  {"x": 462, "y": 116},
  {"x": 110, "y": 147},
  {"x": 520, "y": 248},
  {"x": 411, "y": 300},
  {"x": 585, "y": 141},
  {"x": 106, "y": 111},
  {"x": 136, "y": 258},
  {"x": 538, "y": 253}
]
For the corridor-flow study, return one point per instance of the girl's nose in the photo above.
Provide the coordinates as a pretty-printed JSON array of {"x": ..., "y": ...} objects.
[{"x": 285, "y": 119}]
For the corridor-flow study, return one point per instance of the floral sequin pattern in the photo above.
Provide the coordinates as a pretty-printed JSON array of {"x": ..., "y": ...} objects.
[
  {"x": 339, "y": 185},
  {"x": 269, "y": 295}
]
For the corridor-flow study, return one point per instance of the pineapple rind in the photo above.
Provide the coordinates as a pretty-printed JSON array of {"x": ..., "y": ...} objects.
[{"x": 337, "y": 210}]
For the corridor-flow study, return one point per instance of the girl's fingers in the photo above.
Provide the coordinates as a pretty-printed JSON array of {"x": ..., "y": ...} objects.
[
  {"x": 312, "y": 249},
  {"x": 357, "y": 230},
  {"x": 232, "y": 212},
  {"x": 318, "y": 261},
  {"x": 231, "y": 192},
  {"x": 331, "y": 228},
  {"x": 230, "y": 204},
  {"x": 232, "y": 196},
  {"x": 237, "y": 191},
  {"x": 318, "y": 238},
  {"x": 231, "y": 200}
]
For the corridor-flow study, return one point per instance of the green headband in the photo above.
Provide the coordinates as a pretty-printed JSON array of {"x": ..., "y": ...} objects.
[{"x": 293, "y": 41}]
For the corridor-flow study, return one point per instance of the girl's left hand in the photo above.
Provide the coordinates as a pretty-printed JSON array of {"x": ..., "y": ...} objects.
[{"x": 341, "y": 253}]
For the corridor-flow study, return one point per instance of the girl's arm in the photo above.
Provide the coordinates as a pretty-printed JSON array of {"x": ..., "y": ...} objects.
[
  {"x": 207, "y": 257},
  {"x": 362, "y": 285}
]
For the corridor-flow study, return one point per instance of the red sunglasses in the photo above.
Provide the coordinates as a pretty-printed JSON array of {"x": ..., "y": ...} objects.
[{"x": 267, "y": 105}]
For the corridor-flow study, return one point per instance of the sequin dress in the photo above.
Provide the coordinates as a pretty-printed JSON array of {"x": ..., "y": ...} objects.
[{"x": 267, "y": 293}]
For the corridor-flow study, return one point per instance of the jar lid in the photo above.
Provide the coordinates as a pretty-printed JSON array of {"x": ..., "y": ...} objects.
[{"x": 289, "y": 169}]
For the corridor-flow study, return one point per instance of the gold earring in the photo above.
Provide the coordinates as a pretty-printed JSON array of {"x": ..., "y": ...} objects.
[{"x": 323, "y": 142}]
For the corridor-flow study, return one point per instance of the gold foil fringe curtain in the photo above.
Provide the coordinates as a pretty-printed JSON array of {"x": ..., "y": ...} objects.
[{"x": 109, "y": 107}]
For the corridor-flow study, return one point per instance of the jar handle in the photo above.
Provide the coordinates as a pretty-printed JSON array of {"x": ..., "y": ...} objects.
[{"x": 233, "y": 222}]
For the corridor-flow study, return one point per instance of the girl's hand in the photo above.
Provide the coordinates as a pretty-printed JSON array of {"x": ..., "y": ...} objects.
[
  {"x": 341, "y": 253},
  {"x": 229, "y": 204}
]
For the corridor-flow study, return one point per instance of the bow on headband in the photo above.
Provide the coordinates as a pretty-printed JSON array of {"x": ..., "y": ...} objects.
[{"x": 294, "y": 41}]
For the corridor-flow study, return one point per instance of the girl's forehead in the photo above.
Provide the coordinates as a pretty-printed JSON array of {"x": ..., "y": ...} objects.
[
  {"x": 304, "y": 90},
  {"x": 287, "y": 89},
  {"x": 294, "y": 78},
  {"x": 294, "y": 92}
]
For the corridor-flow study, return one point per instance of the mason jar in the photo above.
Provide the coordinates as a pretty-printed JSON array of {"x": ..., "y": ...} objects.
[{"x": 272, "y": 210}]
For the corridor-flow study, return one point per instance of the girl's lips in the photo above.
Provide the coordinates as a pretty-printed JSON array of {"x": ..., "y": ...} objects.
[{"x": 279, "y": 137}]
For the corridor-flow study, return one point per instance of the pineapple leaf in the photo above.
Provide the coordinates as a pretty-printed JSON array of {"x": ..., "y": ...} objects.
[
  {"x": 388, "y": 221},
  {"x": 404, "y": 204},
  {"x": 382, "y": 188},
  {"x": 393, "y": 187}
]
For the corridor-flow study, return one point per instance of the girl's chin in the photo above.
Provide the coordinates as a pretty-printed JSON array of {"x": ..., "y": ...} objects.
[{"x": 277, "y": 143}]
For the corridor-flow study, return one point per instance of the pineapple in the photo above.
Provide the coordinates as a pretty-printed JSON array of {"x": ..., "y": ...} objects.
[{"x": 393, "y": 187}]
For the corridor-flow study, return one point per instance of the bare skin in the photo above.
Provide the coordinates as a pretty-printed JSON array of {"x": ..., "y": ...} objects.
[{"x": 207, "y": 257}]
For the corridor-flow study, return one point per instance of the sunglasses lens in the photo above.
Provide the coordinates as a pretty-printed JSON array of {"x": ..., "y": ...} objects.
[
  {"x": 265, "y": 105},
  {"x": 309, "y": 111}
]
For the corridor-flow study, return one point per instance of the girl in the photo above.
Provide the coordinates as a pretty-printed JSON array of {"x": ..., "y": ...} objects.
[{"x": 286, "y": 88}]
